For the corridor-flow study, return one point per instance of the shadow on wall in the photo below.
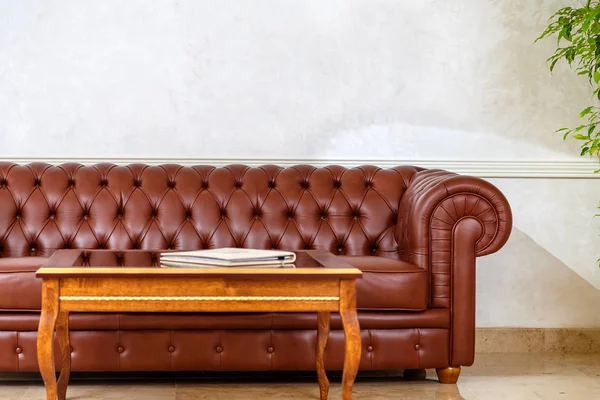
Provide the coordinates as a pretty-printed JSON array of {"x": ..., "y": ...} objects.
[{"x": 523, "y": 285}]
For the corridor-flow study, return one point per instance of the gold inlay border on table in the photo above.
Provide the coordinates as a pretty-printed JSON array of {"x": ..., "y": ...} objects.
[{"x": 200, "y": 298}]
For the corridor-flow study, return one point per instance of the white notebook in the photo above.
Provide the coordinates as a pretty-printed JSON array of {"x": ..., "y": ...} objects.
[{"x": 228, "y": 257}]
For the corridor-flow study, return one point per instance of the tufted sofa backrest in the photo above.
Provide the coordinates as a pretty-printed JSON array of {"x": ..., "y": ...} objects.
[{"x": 346, "y": 211}]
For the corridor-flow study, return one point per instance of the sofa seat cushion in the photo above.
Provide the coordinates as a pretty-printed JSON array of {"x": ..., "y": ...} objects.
[
  {"x": 389, "y": 284},
  {"x": 386, "y": 284},
  {"x": 19, "y": 288}
]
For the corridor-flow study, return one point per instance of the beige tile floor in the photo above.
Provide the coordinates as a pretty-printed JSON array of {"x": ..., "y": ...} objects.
[{"x": 494, "y": 376}]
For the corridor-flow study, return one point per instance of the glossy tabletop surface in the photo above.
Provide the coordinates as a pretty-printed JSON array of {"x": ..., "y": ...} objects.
[{"x": 74, "y": 263}]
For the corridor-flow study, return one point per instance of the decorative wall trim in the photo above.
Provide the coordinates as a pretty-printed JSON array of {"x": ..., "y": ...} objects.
[{"x": 482, "y": 168}]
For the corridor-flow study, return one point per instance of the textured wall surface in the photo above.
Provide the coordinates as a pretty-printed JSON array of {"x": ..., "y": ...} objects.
[{"x": 415, "y": 79}]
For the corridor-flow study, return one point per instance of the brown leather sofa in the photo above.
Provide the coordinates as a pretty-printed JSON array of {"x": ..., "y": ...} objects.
[{"x": 414, "y": 233}]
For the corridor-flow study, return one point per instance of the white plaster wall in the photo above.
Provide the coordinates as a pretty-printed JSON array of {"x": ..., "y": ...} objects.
[{"x": 414, "y": 79}]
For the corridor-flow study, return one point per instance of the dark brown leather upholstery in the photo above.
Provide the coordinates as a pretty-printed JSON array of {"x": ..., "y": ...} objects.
[{"x": 414, "y": 233}]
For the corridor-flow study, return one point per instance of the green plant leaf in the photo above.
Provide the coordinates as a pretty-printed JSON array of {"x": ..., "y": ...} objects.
[
  {"x": 585, "y": 112},
  {"x": 584, "y": 150},
  {"x": 579, "y": 136}
]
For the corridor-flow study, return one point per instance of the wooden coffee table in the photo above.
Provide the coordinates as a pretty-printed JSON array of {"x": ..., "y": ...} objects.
[{"x": 134, "y": 281}]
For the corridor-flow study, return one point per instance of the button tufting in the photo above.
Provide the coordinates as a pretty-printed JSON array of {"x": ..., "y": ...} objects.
[
  {"x": 307, "y": 246},
  {"x": 337, "y": 184},
  {"x": 270, "y": 349},
  {"x": 273, "y": 245},
  {"x": 219, "y": 349},
  {"x": 237, "y": 185},
  {"x": 19, "y": 350},
  {"x": 137, "y": 183},
  {"x": 37, "y": 182},
  {"x": 120, "y": 349},
  {"x": 368, "y": 185},
  {"x": 33, "y": 248},
  {"x": 272, "y": 184},
  {"x": 204, "y": 185},
  {"x": 417, "y": 346},
  {"x": 3, "y": 182},
  {"x": 304, "y": 184},
  {"x": 171, "y": 349},
  {"x": 340, "y": 249},
  {"x": 51, "y": 215},
  {"x": 172, "y": 184},
  {"x": 71, "y": 183},
  {"x": 369, "y": 348},
  {"x": 103, "y": 182},
  {"x": 374, "y": 250}
]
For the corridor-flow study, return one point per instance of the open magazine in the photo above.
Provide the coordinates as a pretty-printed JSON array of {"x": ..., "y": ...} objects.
[{"x": 228, "y": 257}]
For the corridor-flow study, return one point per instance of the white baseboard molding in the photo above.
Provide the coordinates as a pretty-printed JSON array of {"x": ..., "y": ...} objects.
[{"x": 582, "y": 169}]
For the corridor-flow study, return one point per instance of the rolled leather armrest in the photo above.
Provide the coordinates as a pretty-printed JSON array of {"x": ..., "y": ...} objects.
[{"x": 442, "y": 213}]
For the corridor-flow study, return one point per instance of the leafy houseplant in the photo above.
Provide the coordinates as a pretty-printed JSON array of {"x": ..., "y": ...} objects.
[
  {"x": 578, "y": 41},
  {"x": 577, "y": 31}
]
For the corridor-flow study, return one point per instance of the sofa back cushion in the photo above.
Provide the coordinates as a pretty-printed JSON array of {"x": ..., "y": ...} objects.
[{"x": 346, "y": 211}]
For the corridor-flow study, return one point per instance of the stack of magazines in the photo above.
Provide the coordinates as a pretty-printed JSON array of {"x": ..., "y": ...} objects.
[{"x": 228, "y": 257}]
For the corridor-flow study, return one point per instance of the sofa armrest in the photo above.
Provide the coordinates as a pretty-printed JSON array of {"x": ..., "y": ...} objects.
[
  {"x": 442, "y": 213},
  {"x": 445, "y": 221}
]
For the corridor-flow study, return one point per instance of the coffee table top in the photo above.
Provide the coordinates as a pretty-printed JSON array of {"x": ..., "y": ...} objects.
[{"x": 142, "y": 263}]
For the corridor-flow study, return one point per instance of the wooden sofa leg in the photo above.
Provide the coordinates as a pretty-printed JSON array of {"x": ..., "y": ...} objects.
[{"x": 448, "y": 375}]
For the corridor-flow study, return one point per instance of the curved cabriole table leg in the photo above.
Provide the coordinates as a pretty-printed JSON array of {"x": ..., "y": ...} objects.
[
  {"x": 62, "y": 334},
  {"x": 323, "y": 319},
  {"x": 46, "y": 335},
  {"x": 352, "y": 334}
]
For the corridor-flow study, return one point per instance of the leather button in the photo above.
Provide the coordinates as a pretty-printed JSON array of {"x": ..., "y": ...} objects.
[
  {"x": 369, "y": 348},
  {"x": 340, "y": 249},
  {"x": 120, "y": 349},
  {"x": 219, "y": 349},
  {"x": 19, "y": 350},
  {"x": 32, "y": 249},
  {"x": 171, "y": 349},
  {"x": 85, "y": 217},
  {"x": 417, "y": 346},
  {"x": 270, "y": 349}
]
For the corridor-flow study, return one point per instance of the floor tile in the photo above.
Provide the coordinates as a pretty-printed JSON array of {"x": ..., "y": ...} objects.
[{"x": 493, "y": 376}]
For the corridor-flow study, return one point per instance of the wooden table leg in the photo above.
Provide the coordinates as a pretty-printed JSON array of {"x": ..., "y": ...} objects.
[
  {"x": 46, "y": 336},
  {"x": 62, "y": 334},
  {"x": 352, "y": 334},
  {"x": 322, "y": 336}
]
